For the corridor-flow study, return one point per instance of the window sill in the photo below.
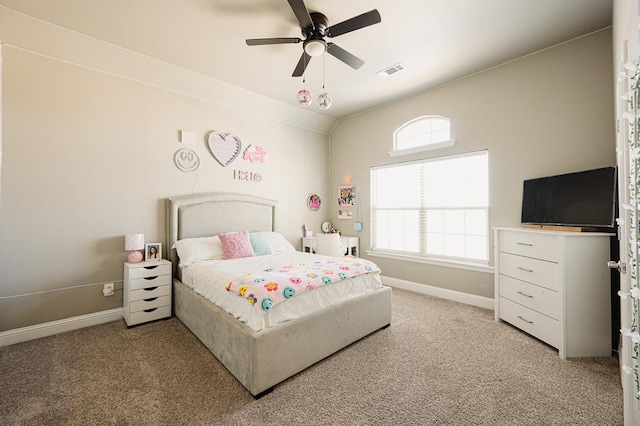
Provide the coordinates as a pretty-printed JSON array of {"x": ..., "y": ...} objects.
[
  {"x": 469, "y": 266},
  {"x": 418, "y": 149}
]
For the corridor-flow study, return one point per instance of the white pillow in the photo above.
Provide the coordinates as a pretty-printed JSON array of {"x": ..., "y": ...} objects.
[
  {"x": 268, "y": 242},
  {"x": 192, "y": 250}
]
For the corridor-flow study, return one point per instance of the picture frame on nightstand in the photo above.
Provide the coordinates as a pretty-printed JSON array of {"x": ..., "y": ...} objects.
[{"x": 153, "y": 251}]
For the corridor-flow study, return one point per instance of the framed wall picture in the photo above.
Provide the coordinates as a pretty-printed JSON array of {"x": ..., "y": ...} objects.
[
  {"x": 153, "y": 251},
  {"x": 346, "y": 195},
  {"x": 314, "y": 202}
]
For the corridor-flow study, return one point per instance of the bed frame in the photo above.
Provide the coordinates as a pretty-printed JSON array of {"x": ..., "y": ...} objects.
[{"x": 260, "y": 360}]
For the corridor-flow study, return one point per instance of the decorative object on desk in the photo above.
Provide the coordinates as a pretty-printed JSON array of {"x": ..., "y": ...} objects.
[
  {"x": 329, "y": 245},
  {"x": 306, "y": 232},
  {"x": 187, "y": 160},
  {"x": 133, "y": 243},
  {"x": 255, "y": 153},
  {"x": 314, "y": 202},
  {"x": 343, "y": 214},
  {"x": 326, "y": 227},
  {"x": 224, "y": 148},
  {"x": 153, "y": 251},
  {"x": 346, "y": 195},
  {"x": 357, "y": 225}
]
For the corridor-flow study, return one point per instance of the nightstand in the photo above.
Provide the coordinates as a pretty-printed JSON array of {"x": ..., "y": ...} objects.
[{"x": 147, "y": 291}]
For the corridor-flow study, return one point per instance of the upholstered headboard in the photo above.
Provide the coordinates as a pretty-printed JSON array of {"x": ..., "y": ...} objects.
[{"x": 203, "y": 215}]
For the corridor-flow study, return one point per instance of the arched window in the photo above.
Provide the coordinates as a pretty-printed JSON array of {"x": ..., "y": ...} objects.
[{"x": 421, "y": 134}]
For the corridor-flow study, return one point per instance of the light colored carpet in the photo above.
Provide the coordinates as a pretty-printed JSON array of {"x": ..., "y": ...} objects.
[{"x": 439, "y": 362}]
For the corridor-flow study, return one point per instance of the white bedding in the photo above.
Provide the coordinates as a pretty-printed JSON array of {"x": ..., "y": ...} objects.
[{"x": 209, "y": 278}]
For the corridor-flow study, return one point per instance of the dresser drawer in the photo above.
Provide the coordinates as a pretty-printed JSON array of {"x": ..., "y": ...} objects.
[
  {"x": 150, "y": 271},
  {"x": 148, "y": 282},
  {"x": 536, "y": 324},
  {"x": 539, "y": 272},
  {"x": 152, "y": 302},
  {"x": 531, "y": 244},
  {"x": 149, "y": 315},
  {"x": 147, "y": 293},
  {"x": 532, "y": 296}
]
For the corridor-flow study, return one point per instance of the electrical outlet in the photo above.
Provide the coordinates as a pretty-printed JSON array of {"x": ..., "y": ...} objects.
[{"x": 108, "y": 289}]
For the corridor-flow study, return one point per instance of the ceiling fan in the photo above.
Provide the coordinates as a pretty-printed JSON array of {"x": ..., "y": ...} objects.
[{"x": 315, "y": 28}]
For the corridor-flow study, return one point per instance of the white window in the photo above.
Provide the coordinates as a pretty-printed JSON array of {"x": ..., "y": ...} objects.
[
  {"x": 434, "y": 208},
  {"x": 422, "y": 133}
]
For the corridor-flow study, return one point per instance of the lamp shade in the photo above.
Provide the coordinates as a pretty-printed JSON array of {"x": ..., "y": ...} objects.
[{"x": 133, "y": 242}]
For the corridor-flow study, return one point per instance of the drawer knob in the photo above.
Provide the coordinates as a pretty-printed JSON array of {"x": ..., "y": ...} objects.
[
  {"x": 525, "y": 320},
  {"x": 149, "y": 310},
  {"x": 150, "y": 278},
  {"x": 150, "y": 267},
  {"x": 150, "y": 288},
  {"x": 150, "y": 299},
  {"x": 524, "y": 269},
  {"x": 525, "y": 295},
  {"x": 525, "y": 244}
]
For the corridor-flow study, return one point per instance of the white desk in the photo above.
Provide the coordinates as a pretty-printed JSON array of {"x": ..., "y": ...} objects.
[{"x": 350, "y": 244}]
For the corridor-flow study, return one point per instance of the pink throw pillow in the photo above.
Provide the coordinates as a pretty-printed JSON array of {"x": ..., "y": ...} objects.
[{"x": 236, "y": 245}]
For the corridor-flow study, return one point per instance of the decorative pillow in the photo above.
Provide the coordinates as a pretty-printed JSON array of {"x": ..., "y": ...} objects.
[
  {"x": 259, "y": 243},
  {"x": 268, "y": 242},
  {"x": 192, "y": 250},
  {"x": 236, "y": 245}
]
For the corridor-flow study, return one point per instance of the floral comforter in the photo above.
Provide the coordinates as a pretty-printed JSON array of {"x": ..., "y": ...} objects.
[{"x": 272, "y": 285}]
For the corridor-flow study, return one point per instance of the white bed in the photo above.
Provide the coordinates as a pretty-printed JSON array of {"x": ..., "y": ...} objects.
[{"x": 262, "y": 355}]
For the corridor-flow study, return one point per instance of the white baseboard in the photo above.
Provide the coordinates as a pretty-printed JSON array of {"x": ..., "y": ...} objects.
[
  {"x": 456, "y": 296},
  {"x": 31, "y": 332}
]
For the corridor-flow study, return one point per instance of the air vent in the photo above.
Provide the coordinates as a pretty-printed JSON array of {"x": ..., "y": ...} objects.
[{"x": 393, "y": 69}]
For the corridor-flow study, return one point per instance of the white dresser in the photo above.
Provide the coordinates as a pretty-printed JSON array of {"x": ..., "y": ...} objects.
[
  {"x": 147, "y": 291},
  {"x": 555, "y": 286}
]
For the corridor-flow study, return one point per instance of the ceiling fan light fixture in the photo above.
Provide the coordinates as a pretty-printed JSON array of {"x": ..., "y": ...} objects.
[{"x": 315, "y": 47}]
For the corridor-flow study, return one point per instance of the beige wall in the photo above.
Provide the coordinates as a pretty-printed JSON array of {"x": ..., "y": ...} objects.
[
  {"x": 89, "y": 132},
  {"x": 547, "y": 113}
]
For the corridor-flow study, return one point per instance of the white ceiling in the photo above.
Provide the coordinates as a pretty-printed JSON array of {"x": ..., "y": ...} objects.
[{"x": 437, "y": 40}]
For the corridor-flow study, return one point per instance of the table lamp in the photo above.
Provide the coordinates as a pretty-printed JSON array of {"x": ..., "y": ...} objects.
[{"x": 134, "y": 243}]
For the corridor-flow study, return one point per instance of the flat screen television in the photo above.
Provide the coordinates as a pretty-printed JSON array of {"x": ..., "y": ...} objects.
[{"x": 586, "y": 199}]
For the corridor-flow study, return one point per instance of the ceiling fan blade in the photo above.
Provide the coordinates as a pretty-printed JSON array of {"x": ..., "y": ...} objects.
[
  {"x": 262, "y": 41},
  {"x": 302, "y": 14},
  {"x": 344, "y": 56},
  {"x": 302, "y": 65},
  {"x": 368, "y": 18}
]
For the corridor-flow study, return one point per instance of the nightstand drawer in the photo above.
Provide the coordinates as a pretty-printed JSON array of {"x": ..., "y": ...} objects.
[
  {"x": 541, "y": 326},
  {"x": 147, "y": 293},
  {"x": 530, "y": 244},
  {"x": 150, "y": 270},
  {"x": 149, "y": 303},
  {"x": 149, "y": 315},
  {"x": 540, "y": 272},
  {"x": 532, "y": 296},
  {"x": 153, "y": 281}
]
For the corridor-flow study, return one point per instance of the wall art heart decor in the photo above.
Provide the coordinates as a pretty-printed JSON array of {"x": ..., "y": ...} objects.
[{"x": 224, "y": 148}]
